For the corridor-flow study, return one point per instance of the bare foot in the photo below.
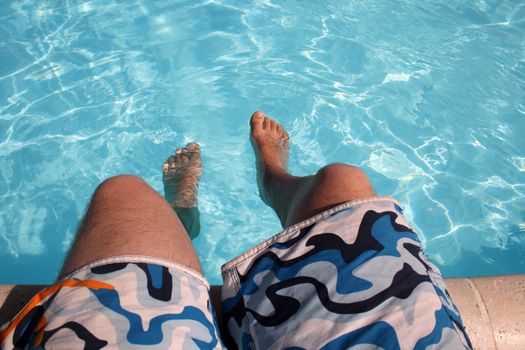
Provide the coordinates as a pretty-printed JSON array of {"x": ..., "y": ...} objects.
[
  {"x": 181, "y": 174},
  {"x": 270, "y": 144}
]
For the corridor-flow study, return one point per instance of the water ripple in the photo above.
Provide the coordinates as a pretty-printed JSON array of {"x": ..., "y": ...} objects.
[{"x": 426, "y": 97}]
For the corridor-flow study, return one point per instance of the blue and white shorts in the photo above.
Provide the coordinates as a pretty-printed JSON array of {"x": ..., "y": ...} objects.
[
  {"x": 353, "y": 276},
  {"x": 119, "y": 303}
]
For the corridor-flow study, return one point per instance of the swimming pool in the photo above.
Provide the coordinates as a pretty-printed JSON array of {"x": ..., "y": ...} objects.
[{"x": 429, "y": 98}]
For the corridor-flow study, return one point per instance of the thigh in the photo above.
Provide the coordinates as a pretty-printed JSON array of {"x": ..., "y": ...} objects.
[{"x": 127, "y": 217}]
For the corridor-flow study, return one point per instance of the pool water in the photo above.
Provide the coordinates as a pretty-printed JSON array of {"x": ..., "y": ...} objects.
[{"x": 427, "y": 97}]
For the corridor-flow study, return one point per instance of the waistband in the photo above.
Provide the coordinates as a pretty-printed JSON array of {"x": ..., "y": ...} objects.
[{"x": 120, "y": 259}]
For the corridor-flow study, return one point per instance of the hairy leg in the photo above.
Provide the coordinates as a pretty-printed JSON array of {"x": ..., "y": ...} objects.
[
  {"x": 297, "y": 198},
  {"x": 127, "y": 217}
]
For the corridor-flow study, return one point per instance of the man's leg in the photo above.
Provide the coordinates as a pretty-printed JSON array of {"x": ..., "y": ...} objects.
[
  {"x": 127, "y": 217},
  {"x": 140, "y": 295},
  {"x": 345, "y": 278},
  {"x": 297, "y": 198}
]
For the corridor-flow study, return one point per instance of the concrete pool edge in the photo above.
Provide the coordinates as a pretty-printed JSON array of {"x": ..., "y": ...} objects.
[{"x": 492, "y": 308}]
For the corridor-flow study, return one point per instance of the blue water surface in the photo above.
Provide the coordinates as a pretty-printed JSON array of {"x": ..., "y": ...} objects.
[{"x": 427, "y": 96}]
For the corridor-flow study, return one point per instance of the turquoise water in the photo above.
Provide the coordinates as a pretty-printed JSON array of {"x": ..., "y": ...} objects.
[{"x": 427, "y": 97}]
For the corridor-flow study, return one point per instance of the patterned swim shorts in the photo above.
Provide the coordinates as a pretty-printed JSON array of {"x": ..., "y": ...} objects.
[
  {"x": 353, "y": 276},
  {"x": 119, "y": 303}
]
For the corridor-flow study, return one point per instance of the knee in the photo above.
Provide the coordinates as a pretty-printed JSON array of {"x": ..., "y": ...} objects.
[
  {"x": 120, "y": 183},
  {"x": 344, "y": 176},
  {"x": 340, "y": 171}
]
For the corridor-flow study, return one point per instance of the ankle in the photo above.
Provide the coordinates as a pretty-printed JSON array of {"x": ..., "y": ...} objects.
[
  {"x": 274, "y": 170},
  {"x": 190, "y": 218},
  {"x": 279, "y": 187}
]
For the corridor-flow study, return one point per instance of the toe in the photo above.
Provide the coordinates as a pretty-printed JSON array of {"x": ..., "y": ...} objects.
[
  {"x": 266, "y": 123},
  {"x": 256, "y": 121},
  {"x": 195, "y": 153},
  {"x": 171, "y": 161},
  {"x": 196, "y": 156},
  {"x": 273, "y": 125},
  {"x": 193, "y": 147},
  {"x": 177, "y": 158},
  {"x": 185, "y": 156}
]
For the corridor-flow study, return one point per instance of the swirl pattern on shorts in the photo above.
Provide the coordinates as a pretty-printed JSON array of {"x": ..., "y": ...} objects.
[
  {"x": 354, "y": 276},
  {"x": 124, "y": 304}
]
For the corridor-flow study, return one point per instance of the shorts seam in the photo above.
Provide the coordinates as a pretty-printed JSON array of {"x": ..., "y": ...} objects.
[
  {"x": 142, "y": 259},
  {"x": 434, "y": 277}
]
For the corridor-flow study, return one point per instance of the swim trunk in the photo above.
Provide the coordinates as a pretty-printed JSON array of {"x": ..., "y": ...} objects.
[
  {"x": 351, "y": 277},
  {"x": 354, "y": 276},
  {"x": 119, "y": 303}
]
